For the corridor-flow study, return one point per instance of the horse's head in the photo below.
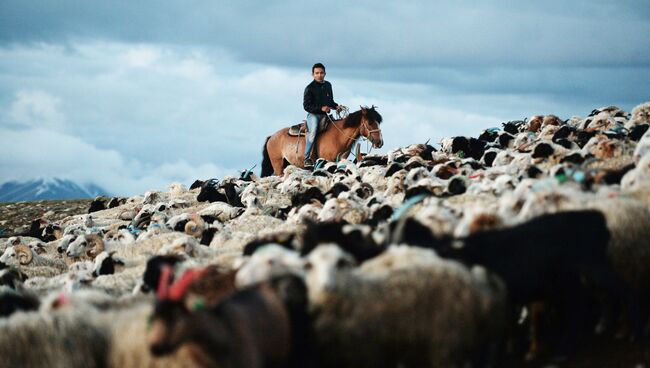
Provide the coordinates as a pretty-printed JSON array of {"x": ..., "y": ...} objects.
[{"x": 370, "y": 120}]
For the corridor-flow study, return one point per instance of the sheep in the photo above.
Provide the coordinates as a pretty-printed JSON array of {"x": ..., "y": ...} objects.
[
  {"x": 122, "y": 236},
  {"x": 270, "y": 261},
  {"x": 189, "y": 246},
  {"x": 559, "y": 250},
  {"x": 116, "y": 284},
  {"x": 136, "y": 254},
  {"x": 62, "y": 339},
  {"x": 308, "y": 212},
  {"x": 643, "y": 147},
  {"x": 114, "y": 333},
  {"x": 134, "y": 351},
  {"x": 221, "y": 211},
  {"x": 84, "y": 246},
  {"x": 12, "y": 301},
  {"x": 429, "y": 314},
  {"x": 639, "y": 177},
  {"x": 251, "y": 328},
  {"x": 337, "y": 209},
  {"x": 602, "y": 122},
  {"x": 23, "y": 257},
  {"x": 640, "y": 115},
  {"x": 64, "y": 242}
]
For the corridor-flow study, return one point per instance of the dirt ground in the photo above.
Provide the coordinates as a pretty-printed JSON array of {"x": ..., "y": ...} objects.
[{"x": 16, "y": 217}]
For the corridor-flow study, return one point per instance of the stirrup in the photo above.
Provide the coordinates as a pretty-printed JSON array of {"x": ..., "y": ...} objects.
[{"x": 308, "y": 163}]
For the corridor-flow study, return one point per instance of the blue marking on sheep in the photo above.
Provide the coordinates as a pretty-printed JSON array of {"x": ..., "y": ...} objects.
[{"x": 407, "y": 205}]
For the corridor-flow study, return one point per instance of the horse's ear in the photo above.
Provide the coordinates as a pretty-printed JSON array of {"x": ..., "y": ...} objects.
[
  {"x": 363, "y": 110},
  {"x": 374, "y": 107}
]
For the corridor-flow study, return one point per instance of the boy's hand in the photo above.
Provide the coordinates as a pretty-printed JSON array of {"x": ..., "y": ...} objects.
[{"x": 326, "y": 109}]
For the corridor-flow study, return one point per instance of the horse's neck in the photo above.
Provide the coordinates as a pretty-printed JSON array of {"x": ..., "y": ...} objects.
[{"x": 344, "y": 136}]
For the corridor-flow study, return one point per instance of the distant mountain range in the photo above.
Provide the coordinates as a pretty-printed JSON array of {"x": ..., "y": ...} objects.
[{"x": 38, "y": 189}]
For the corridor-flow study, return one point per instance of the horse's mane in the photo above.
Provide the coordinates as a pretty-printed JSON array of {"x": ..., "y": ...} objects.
[{"x": 354, "y": 119}]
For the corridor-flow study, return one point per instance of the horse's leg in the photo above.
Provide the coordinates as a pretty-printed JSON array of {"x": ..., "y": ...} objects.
[
  {"x": 278, "y": 165},
  {"x": 275, "y": 148},
  {"x": 293, "y": 151}
]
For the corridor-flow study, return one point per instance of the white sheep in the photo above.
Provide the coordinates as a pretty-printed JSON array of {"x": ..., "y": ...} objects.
[
  {"x": 639, "y": 177},
  {"x": 433, "y": 314},
  {"x": 337, "y": 209},
  {"x": 640, "y": 115},
  {"x": 272, "y": 260},
  {"x": 642, "y": 147},
  {"x": 62, "y": 339},
  {"x": 24, "y": 257}
]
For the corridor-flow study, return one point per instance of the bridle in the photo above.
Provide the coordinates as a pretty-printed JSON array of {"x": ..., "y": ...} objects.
[{"x": 363, "y": 124}]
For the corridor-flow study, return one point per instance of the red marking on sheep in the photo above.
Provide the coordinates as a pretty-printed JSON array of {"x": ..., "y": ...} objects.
[
  {"x": 176, "y": 292},
  {"x": 164, "y": 282}
]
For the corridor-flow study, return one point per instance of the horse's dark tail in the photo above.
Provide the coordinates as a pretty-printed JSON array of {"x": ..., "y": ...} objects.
[{"x": 267, "y": 168}]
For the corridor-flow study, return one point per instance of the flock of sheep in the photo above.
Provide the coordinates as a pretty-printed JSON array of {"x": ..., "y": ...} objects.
[{"x": 514, "y": 245}]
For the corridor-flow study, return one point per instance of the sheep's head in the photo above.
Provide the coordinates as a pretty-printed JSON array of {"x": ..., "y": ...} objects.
[
  {"x": 17, "y": 255},
  {"x": 269, "y": 261},
  {"x": 551, "y": 120},
  {"x": 641, "y": 113},
  {"x": 171, "y": 322},
  {"x": 321, "y": 268},
  {"x": 122, "y": 236},
  {"x": 535, "y": 123},
  {"x": 602, "y": 122},
  {"x": 184, "y": 246},
  {"x": 105, "y": 263},
  {"x": 89, "y": 244},
  {"x": 65, "y": 242},
  {"x": 416, "y": 175},
  {"x": 11, "y": 277}
]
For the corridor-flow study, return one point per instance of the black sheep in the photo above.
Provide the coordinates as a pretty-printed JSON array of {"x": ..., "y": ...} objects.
[
  {"x": 545, "y": 258},
  {"x": 362, "y": 247},
  {"x": 265, "y": 325}
]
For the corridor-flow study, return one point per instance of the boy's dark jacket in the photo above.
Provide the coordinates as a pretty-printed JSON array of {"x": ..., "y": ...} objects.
[{"x": 318, "y": 95}]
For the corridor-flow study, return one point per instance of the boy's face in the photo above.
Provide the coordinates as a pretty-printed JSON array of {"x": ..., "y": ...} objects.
[{"x": 318, "y": 74}]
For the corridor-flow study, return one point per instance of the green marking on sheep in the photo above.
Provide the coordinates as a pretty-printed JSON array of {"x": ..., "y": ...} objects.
[{"x": 198, "y": 304}]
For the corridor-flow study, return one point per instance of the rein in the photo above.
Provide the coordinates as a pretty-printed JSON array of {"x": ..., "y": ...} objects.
[{"x": 364, "y": 124}]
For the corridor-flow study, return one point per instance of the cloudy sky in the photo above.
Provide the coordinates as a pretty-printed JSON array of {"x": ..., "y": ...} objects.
[{"x": 134, "y": 95}]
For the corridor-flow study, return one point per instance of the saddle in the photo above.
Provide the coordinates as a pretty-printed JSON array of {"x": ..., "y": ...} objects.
[{"x": 300, "y": 129}]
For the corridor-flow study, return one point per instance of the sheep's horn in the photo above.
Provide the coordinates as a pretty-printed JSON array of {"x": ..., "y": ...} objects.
[
  {"x": 99, "y": 245},
  {"x": 195, "y": 226},
  {"x": 24, "y": 253}
]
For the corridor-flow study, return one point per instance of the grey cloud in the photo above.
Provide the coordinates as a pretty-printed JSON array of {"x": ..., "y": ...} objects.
[{"x": 295, "y": 33}]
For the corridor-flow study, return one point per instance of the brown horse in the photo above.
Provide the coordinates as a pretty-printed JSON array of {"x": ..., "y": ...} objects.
[{"x": 334, "y": 142}]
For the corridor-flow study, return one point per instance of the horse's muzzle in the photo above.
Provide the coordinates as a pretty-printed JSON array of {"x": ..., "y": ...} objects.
[{"x": 378, "y": 143}]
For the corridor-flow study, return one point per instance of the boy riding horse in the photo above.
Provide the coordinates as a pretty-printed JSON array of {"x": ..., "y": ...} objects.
[{"x": 318, "y": 100}]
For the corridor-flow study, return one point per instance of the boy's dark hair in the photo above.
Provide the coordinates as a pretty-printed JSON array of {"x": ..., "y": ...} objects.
[{"x": 317, "y": 65}]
